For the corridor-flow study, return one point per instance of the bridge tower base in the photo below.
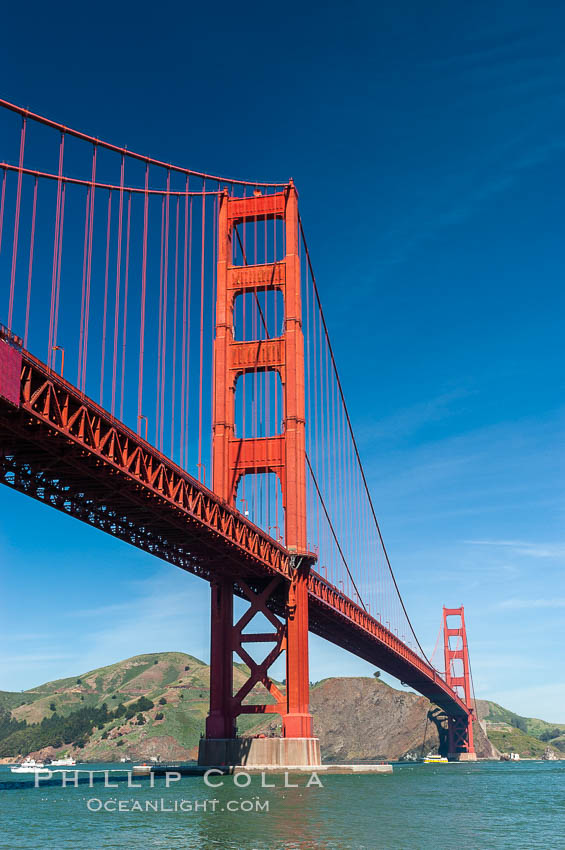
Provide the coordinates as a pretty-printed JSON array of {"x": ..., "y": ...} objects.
[{"x": 260, "y": 752}]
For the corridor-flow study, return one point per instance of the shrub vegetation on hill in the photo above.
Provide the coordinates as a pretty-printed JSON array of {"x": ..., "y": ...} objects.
[
  {"x": 75, "y": 728},
  {"x": 516, "y": 741}
]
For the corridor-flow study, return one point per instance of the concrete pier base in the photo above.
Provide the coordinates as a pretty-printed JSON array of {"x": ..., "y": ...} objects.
[
  {"x": 462, "y": 756},
  {"x": 260, "y": 752}
]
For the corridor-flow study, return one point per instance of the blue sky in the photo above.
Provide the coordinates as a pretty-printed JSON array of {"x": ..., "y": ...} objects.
[{"x": 427, "y": 143}]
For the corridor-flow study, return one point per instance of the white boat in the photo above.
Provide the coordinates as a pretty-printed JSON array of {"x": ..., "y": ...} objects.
[
  {"x": 29, "y": 766},
  {"x": 64, "y": 762},
  {"x": 141, "y": 769},
  {"x": 433, "y": 758}
]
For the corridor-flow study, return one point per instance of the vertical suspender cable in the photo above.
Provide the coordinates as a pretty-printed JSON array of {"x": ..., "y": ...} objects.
[
  {"x": 105, "y": 308},
  {"x": 125, "y": 324},
  {"x": 143, "y": 291},
  {"x": 183, "y": 342},
  {"x": 83, "y": 288},
  {"x": 185, "y": 331},
  {"x": 332, "y": 483},
  {"x": 2, "y": 200},
  {"x": 174, "y": 375},
  {"x": 189, "y": 307},
  {"x": 55, "y": 253},
  {"x": 212, "y": 322},
  {"x": 160, "y": 325},
  {"x": 118, "y": 273},
  {"x": 16, "y": 225},
  {"x": 201, "y": 330},
  {"x": 59, "y": 265},
  {"x": 89, "y": 268},
  {"x": 165, "y": 309},
  {"x": 315, "y": 430},
  {"x": 30, "y": 265},
  {"x": 308, "y": 399}
]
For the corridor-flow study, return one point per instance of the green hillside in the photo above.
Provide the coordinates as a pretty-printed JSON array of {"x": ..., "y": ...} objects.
[
  {"x": 516, "y": 741},
  {"x": 152, "y": 704},
  {"x": 528, "y": 736},
  {"x": 493, "y": 712}
]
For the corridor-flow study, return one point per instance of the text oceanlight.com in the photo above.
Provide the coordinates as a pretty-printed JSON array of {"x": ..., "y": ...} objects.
[{"x": 95, "y": 804}]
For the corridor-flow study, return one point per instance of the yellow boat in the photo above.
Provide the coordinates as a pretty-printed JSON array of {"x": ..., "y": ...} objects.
[{"x": 433, "y": 759}]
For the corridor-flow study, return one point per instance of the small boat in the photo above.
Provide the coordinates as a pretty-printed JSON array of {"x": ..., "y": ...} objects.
[
  {"x": 141, "y": 770},
  {"x": 29, "y": 766},
  {"x": 433, "y": 758},
  {"x": 64, "y": 762}
]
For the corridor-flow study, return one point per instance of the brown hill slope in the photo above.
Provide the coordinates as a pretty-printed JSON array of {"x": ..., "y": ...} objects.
[{"x": 363, "y": 719}]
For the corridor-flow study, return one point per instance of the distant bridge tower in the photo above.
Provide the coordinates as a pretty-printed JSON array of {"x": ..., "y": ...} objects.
[
  {"x": 457, "y": 676},
  {"x": 235, "y": 456}
]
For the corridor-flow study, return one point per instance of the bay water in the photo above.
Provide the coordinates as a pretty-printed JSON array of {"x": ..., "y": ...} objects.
[{"x": 488, "y": 805}]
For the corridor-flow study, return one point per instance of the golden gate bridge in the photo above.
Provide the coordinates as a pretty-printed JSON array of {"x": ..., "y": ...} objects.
[{"x": 167, "y": 376}]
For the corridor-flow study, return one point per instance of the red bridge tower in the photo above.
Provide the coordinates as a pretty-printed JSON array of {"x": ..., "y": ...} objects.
[
  {"x": 284, "y": 455},
  {"x": 460, "y": 728}
]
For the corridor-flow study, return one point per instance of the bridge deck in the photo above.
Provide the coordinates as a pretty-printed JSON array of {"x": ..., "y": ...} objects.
[{"x": 60, "y": 447}]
